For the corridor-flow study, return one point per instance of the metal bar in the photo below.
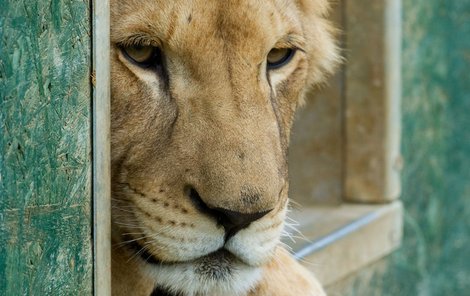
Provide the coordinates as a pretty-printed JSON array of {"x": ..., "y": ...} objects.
[
  {"x": 336, "y": 235},
  {"x": 101, "y": 150}
]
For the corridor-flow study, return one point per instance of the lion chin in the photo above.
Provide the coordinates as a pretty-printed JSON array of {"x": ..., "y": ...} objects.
[
  {"x": 203, "y": 97},
  {"x": 219, "y": 273}
]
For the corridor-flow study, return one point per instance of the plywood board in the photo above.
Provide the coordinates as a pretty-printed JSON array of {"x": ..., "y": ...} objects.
[{"x": 45, "y": 149}]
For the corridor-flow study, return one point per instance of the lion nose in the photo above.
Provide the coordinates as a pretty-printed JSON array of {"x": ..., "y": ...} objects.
[{"x": 232, "y": 221}]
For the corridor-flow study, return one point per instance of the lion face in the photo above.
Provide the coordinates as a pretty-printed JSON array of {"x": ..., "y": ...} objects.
[{"x": 203, "y": 98}]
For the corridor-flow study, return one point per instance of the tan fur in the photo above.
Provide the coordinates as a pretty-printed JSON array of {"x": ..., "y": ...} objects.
[
  {"x": 220, "y": 123},
  {"x": 285, "y": 277}
]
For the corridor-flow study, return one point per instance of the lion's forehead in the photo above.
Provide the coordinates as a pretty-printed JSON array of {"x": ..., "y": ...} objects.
[{"x": 249, "y": 26}]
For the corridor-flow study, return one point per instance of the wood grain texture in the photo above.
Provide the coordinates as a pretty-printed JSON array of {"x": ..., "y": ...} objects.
[{"x": 45, "y": 172}]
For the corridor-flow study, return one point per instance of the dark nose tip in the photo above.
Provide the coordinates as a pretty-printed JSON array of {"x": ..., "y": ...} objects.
[{"x": 232, "y": 221}]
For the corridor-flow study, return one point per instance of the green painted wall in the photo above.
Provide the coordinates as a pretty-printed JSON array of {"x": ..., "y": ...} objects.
[
  {"x": 45, "y": 168},
  {"x": 435, "y": 256}
]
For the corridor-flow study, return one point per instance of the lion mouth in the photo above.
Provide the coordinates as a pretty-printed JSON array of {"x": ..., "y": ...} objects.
[
  {"x": 214, "y": 273},
  {"x": 220, "y": 259}
]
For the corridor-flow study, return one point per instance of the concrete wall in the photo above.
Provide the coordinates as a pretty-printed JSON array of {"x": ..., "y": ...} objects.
[{"x": 434, "y": 258}]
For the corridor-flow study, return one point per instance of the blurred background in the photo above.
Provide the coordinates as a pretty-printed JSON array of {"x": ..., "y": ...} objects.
[{"x": 434, "y": 258}]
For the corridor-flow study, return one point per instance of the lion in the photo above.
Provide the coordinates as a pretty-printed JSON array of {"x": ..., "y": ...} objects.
[{"x": 203, "y": 96}]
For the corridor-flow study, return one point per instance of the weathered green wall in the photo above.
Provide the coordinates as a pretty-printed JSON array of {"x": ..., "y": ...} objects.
[
  {"x": 435, "y": 256},
  {"x": 45, "y": 168}
]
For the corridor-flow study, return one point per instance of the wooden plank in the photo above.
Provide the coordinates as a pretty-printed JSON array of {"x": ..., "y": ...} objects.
[
  {"x": 101, "y": 150},
  {"x": 316, "y": 149},
  {"x": 45, "y": 171},
  {"x": 373, "y": 90}
]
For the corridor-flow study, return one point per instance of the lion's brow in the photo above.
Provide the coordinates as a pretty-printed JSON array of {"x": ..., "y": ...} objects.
[
  {"x": 139, "y": 38},
  {"x": 291, "y": 40}
]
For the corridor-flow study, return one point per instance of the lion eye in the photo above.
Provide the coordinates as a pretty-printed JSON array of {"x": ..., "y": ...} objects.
[
  {"x": 278, "y": 57},
  {"x": 142, "y": 55}
]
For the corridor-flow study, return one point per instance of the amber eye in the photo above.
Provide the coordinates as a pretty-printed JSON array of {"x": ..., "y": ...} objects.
[
  {"x": 278, "y": 57},
  {"x": 144, "y": 56}
]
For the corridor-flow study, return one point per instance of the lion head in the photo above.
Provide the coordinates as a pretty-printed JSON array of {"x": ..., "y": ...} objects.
[{"x": 203, "y": 99}]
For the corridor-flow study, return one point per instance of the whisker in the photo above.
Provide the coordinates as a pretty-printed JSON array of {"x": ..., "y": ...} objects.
[
  {"x": 292, "y": 221},
  {"x": 288, "y": 235},
  {"x": 129, "y": 225},
  {"x": 310, "y": 263},
  {"x": 133, "y": 233},
  {"x": 287, "y": 247},
  {"x": 123, "y": 210},
  {"x": 294, "y": 205},
  {"x": 126, "y": 242},
  {"x": 136, "y": 254}
]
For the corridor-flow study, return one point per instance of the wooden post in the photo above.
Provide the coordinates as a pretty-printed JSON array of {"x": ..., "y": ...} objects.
[
  {"x": 101, "y": 150},
  {"x": 316, "y": 149},
  {"x": 373, "y": 91}
]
